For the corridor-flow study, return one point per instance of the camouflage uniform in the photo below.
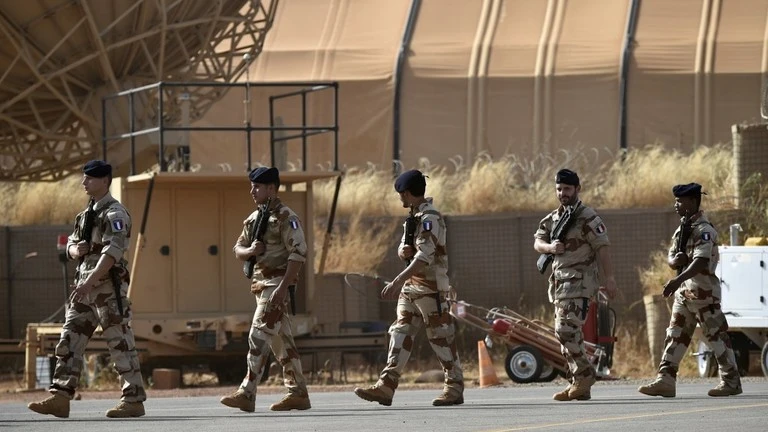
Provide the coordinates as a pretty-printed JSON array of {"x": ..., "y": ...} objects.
[
  {"x": 574, "y": 280},
  {"x": 698, "y": 300},
  {"x": 271, "y": 327},
  {"x": 417, "y": 304},
  {"x": 111, "y": 229}
]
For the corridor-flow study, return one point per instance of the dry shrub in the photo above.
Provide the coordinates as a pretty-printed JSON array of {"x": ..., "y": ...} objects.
[
  {"x": 631, "y": 358},
  {"x": 656, "y": 274},
  {"x": 361, "y": 247},
  {"x": 8, "y": 198},
  {"x": 644, "y": 179},
  {"x": 42, "y": 203},
  {"x": 363, "y": 191},
  {"x": 754, "y": 206}
]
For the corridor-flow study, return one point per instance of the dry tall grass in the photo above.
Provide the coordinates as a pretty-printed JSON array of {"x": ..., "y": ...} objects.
[
  {"x": 366, "y": 191},
  {"x": 754, "y": 206},
  {"x": 646, "y": 176},
  {"x": 360, "y": 246},
  {"x": 642, "y": 179},
  {"x": 41, "y": 203},
  {"x": 631, "y": 358},
  {"x": 658, "y": 272}
]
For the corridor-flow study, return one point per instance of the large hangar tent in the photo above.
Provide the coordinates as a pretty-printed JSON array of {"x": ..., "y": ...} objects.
[{"x": 505, "y": 76}]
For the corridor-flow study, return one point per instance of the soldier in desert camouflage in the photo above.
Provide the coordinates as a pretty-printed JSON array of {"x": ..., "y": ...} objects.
[
  {"x": 697, "y": 300},
  {"x": 421, "y": 291},
  {"x": 94, "y": 300},
  {"x": 279, "y": 257},
  {"x": 581, "y": 265}
]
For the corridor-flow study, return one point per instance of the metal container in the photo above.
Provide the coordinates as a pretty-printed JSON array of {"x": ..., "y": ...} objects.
[{"x": 735, "y": 229}]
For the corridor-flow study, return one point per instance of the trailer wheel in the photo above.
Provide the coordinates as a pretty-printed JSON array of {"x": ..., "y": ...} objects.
[
  {"x": 524, "y": 364},
  {"x": 706, "y": 361},
  {"x": 548, "y": 373},
  {"x": 764, "y": 359}
]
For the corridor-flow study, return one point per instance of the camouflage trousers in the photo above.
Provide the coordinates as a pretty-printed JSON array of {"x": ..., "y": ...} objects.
[
  {"x": 271, "y": 329},
  {"x": 412, "y": 311},
  {"x": 570, "y": 315},
  {"x": 685, "y": 314},
  {"x": 82, "y": 318}
]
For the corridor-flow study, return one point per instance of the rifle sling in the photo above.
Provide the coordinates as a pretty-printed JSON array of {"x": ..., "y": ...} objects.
[{"x": 570, "y": 222}]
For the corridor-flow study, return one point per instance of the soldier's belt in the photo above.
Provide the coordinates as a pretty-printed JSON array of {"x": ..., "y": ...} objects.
[
  {"x": 420, "y": 280},
  {"x": 272, "y": 273}
]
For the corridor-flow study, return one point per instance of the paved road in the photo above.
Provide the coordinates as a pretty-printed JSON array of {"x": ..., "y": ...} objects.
[{"x": 613, "y": 407}]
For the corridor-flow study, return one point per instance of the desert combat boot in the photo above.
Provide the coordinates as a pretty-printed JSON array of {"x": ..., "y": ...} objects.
[
  {"x": 659, "y": 387},
  {"x": 565, "y": 395},
  {"x": 448, "y": 397},
  {"x": 580, "y": 389},
  {"x": 126, "y": 410},
  {"x": 240, "y": 400},
  {"x": 292, "y": 402},
  {"x": 55, "y": 405},
  {"x": 724, "y": 389},
  {"x": 374, "y": 394}
]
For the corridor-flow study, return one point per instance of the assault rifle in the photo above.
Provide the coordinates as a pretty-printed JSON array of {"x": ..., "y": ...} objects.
[
  {"x": 681, "y": 245},
  {"x": 409, "y": 232},
  {"x": 558, "y": 233},
  {"x": 87, "y": 232},
  {"x": 86, "y": 236},
  {"x": 258, "y": 228}
]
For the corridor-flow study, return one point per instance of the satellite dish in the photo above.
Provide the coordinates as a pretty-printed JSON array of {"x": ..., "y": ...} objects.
[{"x": 59, "y": 58}]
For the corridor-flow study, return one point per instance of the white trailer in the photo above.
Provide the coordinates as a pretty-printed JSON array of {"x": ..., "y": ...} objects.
[{"x": 743, "y": 273}]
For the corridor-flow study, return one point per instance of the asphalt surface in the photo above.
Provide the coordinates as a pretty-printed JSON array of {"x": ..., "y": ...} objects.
[{"x": 615, "y": 406}]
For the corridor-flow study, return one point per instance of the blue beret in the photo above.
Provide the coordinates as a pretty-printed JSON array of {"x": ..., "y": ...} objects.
[
  {"x": 97, "y": 168},
  {"x": 687, "y": 190},
  {"x": 412, "y": 181},
  {"x": 566, "y": 176},
  {"x": 264, "y": 175}
]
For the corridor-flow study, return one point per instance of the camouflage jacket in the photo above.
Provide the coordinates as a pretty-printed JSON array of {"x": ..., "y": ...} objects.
[
  {"x": 575, "y": 272},
  {"x": 284, "y": 241},
  {"x": 702, "y": 243},
  {"x": 110, "y": 235},
  {"x": 429, "y": 242}
]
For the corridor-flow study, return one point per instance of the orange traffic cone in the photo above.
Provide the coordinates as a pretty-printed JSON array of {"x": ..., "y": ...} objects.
[{"x": 487, "y": 372}]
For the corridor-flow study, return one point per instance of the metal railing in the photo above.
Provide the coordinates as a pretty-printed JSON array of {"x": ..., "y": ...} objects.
[{"x": 303, "y": 131}]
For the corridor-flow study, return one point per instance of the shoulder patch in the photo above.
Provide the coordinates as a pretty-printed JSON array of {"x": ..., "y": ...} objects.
[
  {"x": 118, "y": 225},
  {"x": 705, "y": 236},
  {"x": 427, "y": 225},
  {"x": 597, "y": 226},
  {"x": 294, "y": 223}
]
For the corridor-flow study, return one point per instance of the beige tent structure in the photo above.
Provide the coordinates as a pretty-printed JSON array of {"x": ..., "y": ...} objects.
[
  {"x": 432, "y": 79},
  {"x": 510, "y": 76}
]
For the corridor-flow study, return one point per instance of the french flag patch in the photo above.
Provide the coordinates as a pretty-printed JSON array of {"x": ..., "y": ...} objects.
[
  {"x": 427, "y": 225},
  {"x": 294, "y": 224},
  {"x": 600, "y": 228}
]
